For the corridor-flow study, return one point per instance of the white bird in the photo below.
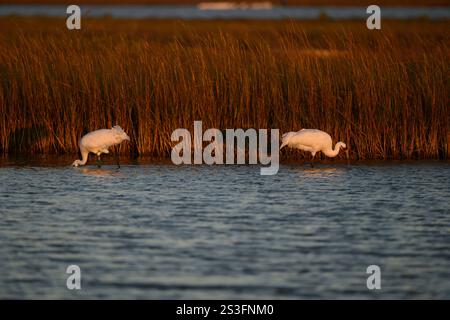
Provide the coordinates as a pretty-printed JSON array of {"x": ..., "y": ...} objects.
[
  {"x": 98, "y": 142},
  {"x": 312, "y": 140}
]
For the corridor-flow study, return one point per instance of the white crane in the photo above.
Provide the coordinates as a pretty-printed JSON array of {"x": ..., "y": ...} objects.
[
  {"x": 98, "y": 142},
  {"x": 312, "y": 140}
]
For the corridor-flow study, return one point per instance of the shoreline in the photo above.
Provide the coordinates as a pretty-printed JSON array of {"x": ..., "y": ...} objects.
[{"x": 110, "y": 161}]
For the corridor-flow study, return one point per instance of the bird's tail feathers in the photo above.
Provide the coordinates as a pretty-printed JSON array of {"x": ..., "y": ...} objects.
[
  {"x": 285, "y": 135},
  {"x": 285, "y": 139}
]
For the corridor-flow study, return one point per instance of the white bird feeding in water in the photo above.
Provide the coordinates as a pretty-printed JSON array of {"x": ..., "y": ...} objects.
[
  {"x": 98, "y": 142},
  {"x": 312, "y": 140}
]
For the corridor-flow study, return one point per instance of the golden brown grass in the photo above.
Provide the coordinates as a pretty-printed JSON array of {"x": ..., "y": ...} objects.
[{"x": 385, "y": 93}]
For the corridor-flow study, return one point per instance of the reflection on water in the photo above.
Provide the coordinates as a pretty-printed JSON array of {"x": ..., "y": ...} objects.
[
  {"x": 164, "y": 231},
  {"x": 100, "y": 171},
  {"x": 318, "y": 170}
]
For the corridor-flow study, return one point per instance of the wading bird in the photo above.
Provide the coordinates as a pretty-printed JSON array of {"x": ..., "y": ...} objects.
[
  {"x": 312, "y": 140},
  {"x": 98, "y": 142}
]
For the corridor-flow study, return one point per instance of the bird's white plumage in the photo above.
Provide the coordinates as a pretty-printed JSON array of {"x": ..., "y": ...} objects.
[
  {"x": 313, "y": 141},
  {"x": 99, "y": 141}
]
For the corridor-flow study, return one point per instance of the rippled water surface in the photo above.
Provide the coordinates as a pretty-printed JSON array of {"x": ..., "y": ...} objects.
[{"x": 162, "y": 231}]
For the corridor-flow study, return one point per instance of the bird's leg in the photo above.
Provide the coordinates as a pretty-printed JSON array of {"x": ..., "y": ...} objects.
[
  {"x": 312, "y": 161},
  {"x": 98, "y": 161},
  {"x": 117, "y": 157}
]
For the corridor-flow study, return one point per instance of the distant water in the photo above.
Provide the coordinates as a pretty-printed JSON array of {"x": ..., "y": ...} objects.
[
  {"x": 192, "y": 12},
  {"x": 163, "y": 231}
]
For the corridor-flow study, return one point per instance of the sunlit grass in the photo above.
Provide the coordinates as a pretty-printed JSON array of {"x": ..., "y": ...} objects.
[{"x": 385, "y": 93}]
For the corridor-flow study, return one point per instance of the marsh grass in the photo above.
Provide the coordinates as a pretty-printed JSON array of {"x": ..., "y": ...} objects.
[{"x": 385, "y": 93}]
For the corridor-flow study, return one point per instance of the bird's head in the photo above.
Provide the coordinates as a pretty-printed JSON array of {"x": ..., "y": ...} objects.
[
  {"x": 119, "y": 134},
  {"x": 342, "y": 145},
  {"x": 76, "y": 163}
]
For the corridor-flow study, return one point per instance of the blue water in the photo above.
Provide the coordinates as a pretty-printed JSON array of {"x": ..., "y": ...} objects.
[
  {"x": 192, "y": 12},
  {"x": 156, "y": 231}
]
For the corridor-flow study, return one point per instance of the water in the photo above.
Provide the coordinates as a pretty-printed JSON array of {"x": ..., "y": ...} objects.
[
  {"x": 192, "y": 12},
  {"x": 157, "y": 231}
]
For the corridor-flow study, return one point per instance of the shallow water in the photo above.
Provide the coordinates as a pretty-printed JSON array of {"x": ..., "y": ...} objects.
[
  {"x": 192, "y": 12},
  {"x": 159, "y": 231}
]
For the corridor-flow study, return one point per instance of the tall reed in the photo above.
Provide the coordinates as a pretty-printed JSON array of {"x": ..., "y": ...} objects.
[{"x": 385, "y": 93}]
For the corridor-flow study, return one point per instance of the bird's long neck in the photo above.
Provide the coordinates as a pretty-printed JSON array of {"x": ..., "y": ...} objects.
[
  {"x": 333, "y": 153},
  {"x": 84, "y": 156}
]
